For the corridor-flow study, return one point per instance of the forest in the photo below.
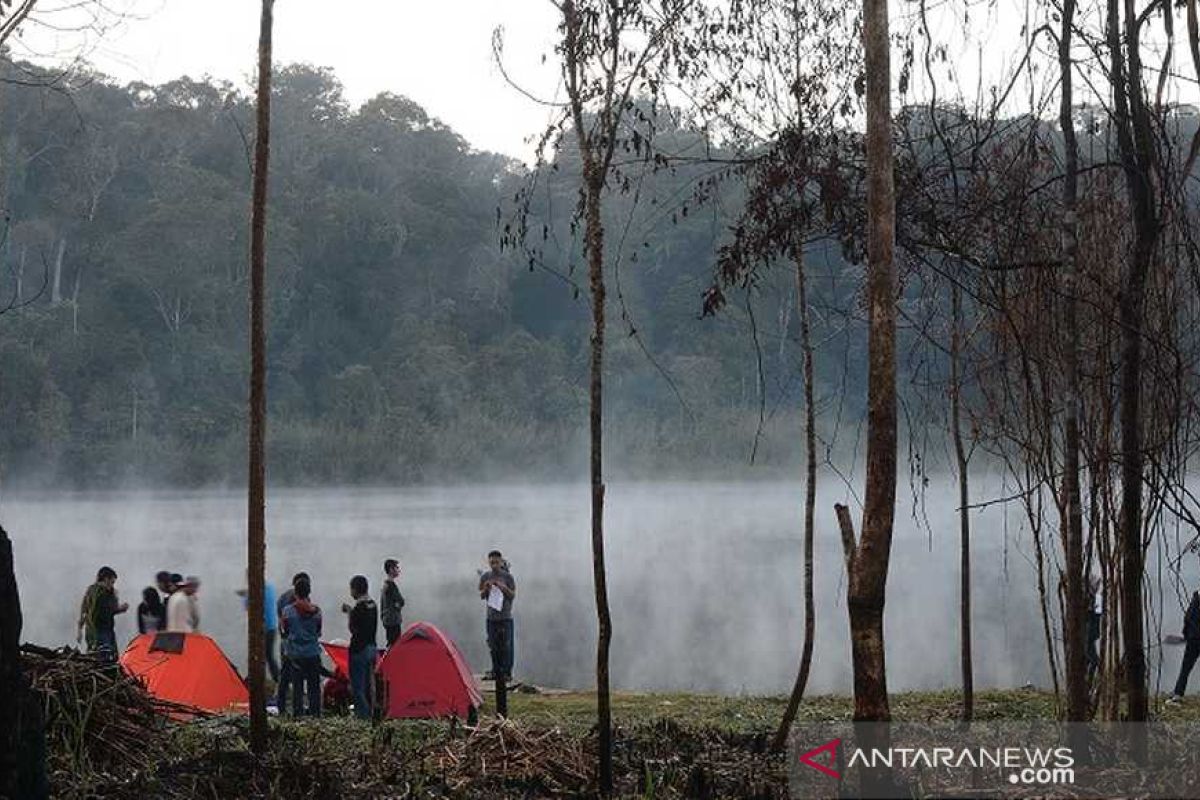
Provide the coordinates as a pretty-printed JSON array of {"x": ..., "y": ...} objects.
[
  {"x": 406, "y": 346},
  {"x": 854, "y": 248}
]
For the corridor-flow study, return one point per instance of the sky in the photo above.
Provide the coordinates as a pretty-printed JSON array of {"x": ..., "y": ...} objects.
[{"x": 437, "y": 53}]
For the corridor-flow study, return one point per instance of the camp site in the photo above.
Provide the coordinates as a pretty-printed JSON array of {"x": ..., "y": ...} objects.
[{"x": 653, "y": 399}]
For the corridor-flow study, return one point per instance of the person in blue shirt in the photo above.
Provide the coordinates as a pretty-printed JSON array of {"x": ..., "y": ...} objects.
[{"x": 270, "y": 625}]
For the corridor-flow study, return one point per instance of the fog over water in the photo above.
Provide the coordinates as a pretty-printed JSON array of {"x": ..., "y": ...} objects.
[{"x": 705, "y": 579}]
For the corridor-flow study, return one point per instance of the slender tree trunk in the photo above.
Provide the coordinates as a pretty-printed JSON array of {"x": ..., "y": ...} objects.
[
  {"x": 964, "y": 512},
  {"x": 1135, "y": 140},
  {"x": 75, "y": 302},
  {"x": 810, "y": 502},
  {"x": 56, "y": 284},
  {"x": 256, "y": 511},
  {"x": 595, "y": 255},
  {"x": 1074, "y": 621},
  {"x": 20, "y": 276},
  {"x": 868, "y": 560}
]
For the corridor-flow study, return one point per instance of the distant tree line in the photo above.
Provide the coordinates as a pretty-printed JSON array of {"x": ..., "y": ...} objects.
[{"x": 404, "y": 345}]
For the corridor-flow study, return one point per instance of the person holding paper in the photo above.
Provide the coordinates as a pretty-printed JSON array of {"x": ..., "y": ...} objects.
[{"x": 498, "y": 589}]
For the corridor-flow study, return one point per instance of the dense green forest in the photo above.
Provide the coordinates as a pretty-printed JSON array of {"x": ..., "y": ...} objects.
[{"x": 405, "y": 344}]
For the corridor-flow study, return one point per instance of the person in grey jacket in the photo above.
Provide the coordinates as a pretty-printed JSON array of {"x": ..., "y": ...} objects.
[
  {"x": 302, "y": 628},
  {"x": 501, "y": 634}
]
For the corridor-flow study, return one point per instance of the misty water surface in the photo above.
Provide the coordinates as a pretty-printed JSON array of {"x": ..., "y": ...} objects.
[{"x": 705, "y": 578}]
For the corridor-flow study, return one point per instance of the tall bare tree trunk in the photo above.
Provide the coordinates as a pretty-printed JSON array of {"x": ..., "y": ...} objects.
[
  {"x": 595, "y": 254},
  {"x": 1132, "y": 121},
  {"x": 810, "y": 502},
  {"x": 1074, "y": 623},
  {"x": 867, "y": 560},
  {"x": 256, "y": 511},
  {"x": 964, "y": 502}
]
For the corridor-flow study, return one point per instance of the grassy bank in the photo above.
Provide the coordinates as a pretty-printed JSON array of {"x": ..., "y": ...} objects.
[{"x": 667, "y": 745}]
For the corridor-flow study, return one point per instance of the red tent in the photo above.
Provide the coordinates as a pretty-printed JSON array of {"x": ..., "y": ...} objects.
[
  {"x": 425, "y": 675},
  {"x": 186, "y": 668}
]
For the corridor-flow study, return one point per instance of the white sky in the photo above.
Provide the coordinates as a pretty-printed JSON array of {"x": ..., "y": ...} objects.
[{"x": 437, "y": 52}]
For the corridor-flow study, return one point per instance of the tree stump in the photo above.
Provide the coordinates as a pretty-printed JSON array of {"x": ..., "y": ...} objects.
[{"x": 23, "y": 744}]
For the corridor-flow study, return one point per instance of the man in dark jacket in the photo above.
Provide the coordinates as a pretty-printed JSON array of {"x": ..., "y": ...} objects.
[
  {"x": 1191, "y": 637},
  {"x": 391, "y": 602},
  {"x": 364, "y": 623}
]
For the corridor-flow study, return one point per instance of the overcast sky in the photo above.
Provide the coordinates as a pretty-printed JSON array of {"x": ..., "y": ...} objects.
[{"x": 437, "y": 52}]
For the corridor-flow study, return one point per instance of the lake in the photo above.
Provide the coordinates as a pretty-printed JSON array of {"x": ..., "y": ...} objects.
[{"x": 705, "y": 579}]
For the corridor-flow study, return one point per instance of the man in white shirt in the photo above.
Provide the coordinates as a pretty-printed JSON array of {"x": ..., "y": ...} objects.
[{"x": 183, "y": 609}]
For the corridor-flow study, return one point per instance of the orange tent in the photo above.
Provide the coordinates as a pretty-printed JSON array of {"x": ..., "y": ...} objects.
[
  {"x": 186, "y": 668},
  {"x": 425, "y": 675}
]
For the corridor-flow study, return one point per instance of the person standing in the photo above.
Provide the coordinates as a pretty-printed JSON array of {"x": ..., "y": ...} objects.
[
  {"x": 97, "y": 615},
  {"x": 270, "y": 625},
  {"x": 151, "y": 613},
  {"x": 391, "y": 602},
  {"x": 183, "y": 608},
  {"x": 301, "y": 624},
  {"x": 364, "y": 624},
  {"x": 287, "y": 671},
  {"x": 498, "y": 589},
  {"x": 1191, "y": 638}
]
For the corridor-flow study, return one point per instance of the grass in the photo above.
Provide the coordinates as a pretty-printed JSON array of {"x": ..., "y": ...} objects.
[
  {"x": 576, "y": 711},
  {"x": 669, "y": 745}
]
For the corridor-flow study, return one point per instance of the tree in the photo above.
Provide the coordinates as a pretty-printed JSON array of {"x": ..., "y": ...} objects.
[
  {"x": 867, "y": 559},
  {"x": 1132, "y": 119},
  {"x": 1074, "y": 624},
  {"x": 613, "y": 52},
  {"x": 256, "y": 536}
]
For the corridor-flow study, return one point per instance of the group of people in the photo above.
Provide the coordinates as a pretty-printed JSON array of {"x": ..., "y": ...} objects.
[
  {"x": 296, "y": 622},
  {"x": 300, "y": 625},
  {"x": 170, "y": 605}
]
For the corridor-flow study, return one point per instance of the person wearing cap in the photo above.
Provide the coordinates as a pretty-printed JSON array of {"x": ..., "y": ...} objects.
[
  {"x": 183, "y": 609},
  {"x": 391, "y": 602}
]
